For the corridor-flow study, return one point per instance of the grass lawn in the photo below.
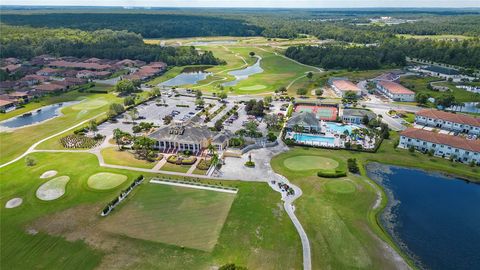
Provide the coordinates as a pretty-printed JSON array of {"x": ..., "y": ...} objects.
[
  {"x": 175, "y": 168},
  {"x": 303, "y": 163},
  {"x": 419, "y": 84},
  {"x": 67, "y": 233},
  {"x": 112, "y": 155},
  {"x": 334, "y": 213},
  {"x": 105, "y": 181},
  {"x": 178, "y": 216},
  {"x": 200, "y": 172},
  {"x": 435, "y": 37},
  {"x": 21, "y": 139}
]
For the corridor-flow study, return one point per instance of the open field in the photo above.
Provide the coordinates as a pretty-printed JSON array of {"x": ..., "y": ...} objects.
[
  {"x": 112, "y": 155},
  {"x": 178, "y": 216},
  {"x": 435, "y": 37},
  {"x": 22, "y": 138},
  {"x": 66, "y": 233},
  {"x": 419, "y": 84}
]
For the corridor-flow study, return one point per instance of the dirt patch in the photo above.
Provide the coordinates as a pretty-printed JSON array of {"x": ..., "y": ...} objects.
[
  {"x": 15, "y": 202},
  {"x": 48, "y": 174}
]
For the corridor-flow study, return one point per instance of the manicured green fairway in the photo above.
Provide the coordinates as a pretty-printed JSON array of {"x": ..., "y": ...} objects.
[
  {"x": 302, "y": 163},
  {"x": 21, "y": 139},
  {"x": 173, "y": 215},
  {"x": 67, "y": 233},
  {"x": 104, "y": 181},
  {"x": 340, "y": 186}
]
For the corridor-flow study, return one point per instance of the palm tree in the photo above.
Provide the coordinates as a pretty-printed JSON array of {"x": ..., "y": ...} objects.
[
  {"x": 117, "y": 136},
  {"x": 133, "y": 113}
]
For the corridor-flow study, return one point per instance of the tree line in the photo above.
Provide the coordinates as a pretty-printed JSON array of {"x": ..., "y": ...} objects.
[{"x": 27, "y": 42}]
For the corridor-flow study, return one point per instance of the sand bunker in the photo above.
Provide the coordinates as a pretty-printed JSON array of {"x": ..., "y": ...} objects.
[
  {"x": 48, "y": 174},
  {"x": 14, "y": 203},
  {"x": 53, "y": 189}
]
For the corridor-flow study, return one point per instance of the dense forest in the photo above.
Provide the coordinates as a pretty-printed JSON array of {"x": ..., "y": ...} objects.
[
  {"x": 465, "y": 53},
  {"x": 148, "y": 25},
  {"x": 26, "y": 42},
  {"x": 346, "y": 57}
]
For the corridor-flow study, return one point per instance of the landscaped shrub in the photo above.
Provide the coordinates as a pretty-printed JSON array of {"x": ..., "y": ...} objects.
[
  {"x": 332, "y": 173},
  {"x": 204, "y": 164},
  {"x": 30, "y": 161},
  {"x": 80, "y": 141},
  {"x": 352, "y": 165},
  {"x": 189, "y": 160},
  {"x": 174, "y": 159},
  {"x": 250, "y": 164}
]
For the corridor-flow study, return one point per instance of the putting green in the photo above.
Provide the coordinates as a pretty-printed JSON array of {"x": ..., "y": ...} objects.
[
  {"x": 253, "y": 87},
  {"x": 303, "y": 163},
  {"x": 90, "y": 104},
  {"x": 53, "y": 189},
  {"x": 104, "y": 181},
  {"x": 340, "y": 187}
]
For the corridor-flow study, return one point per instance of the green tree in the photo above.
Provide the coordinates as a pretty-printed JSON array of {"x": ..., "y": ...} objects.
[
  {"x": 251, "y": 128},
  {"x": 222, "y": 95},
  {"x": 309, "y": 75},
  {"x": 422, "y": 97},
  {"x": 143, "y": 147},
  {"x": 125, "y": 87},
  {"x": 302, "y": 91},
  {"x": 252, "y": 54},
  {"x": 318, "y": 92},
  {"x": 128, "y": 101},
  {"x": 218, "y": 125},
  {"x": 92, "y": 126}
]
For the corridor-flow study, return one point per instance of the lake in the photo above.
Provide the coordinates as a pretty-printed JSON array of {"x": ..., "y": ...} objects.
[
  {"x": 37, "y": 116},
  {"x": 188, "y": 76},
  {"x": 434, "y": 218},
  {"x": 243, "y": 74},
  {"x": 468, "y": 107}
]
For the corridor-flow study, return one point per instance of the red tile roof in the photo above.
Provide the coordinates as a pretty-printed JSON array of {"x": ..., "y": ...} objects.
[
  {"x": 344, "y": 86},
  {"x": 4, "y": 102},
  {"x": 451, "y": 117},
  {"x": 437, "y": 138},
  {"x": 396, "y": 88},
  {"x": 67, "y": 64},
  {"x": 49, "y": 87}
]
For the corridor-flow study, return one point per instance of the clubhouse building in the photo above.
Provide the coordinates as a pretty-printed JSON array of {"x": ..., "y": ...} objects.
[
  {"x": 306, "y": 120},
  {"x": 355, "y": 116},
  {"x": 443, "y": 145},
  {"x": 448, "y": 121},
  {"x": 341, "y": 86},
  {"x": 395, "y": 91},
  {"x": 182, "y": 136}
]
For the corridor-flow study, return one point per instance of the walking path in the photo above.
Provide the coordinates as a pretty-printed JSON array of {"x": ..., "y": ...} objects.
[{"x": 33, "y": 146}]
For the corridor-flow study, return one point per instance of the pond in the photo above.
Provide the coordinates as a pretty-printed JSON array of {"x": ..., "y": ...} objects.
[
  {"x": 243, "y": 74},
  {"x": 188, "y": 76},
  {"x": 434, "y": 218},
  {"x": 36, "y": 116},
  {"x": 468, "y": 107}
]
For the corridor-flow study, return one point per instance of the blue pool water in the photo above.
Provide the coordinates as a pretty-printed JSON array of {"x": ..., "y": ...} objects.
[
  {"x": 340, "y": 129},
  {"x": 43, "y": 114},
  {"x": 434, "y": 218},
  {"x": 314, "y": 138},
  {"x": 243, "y": 74}
]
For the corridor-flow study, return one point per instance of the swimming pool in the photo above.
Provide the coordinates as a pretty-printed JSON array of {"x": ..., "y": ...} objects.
[
  {"x": 313, "y": 138},
  {"x": 340, "y": 129}
]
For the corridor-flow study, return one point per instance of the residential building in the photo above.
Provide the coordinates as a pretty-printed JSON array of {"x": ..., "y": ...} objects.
[
  {"x": 356, "y": 116},
  {"x": 181, "y": 136},
  {"x": 455, "y": 122},
  {"x": 12, "y": 68},
  {"x": 49, "y": 88},
  {"x": 395, "y": 91},
  {"x": 79, "y": 65},
  {"x": 6, "y": 105},
  {"x": 306, "y": 120},
  {"x": 443, "y": 145},
  {"x": 48, "y": 72},
  {"x": 341, "y": 86}
]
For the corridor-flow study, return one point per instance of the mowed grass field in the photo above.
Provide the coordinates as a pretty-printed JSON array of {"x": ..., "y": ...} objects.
[
  {"x": 334, "y": 213},
  {"x": 112, "y": 155},
  {"x": 67, "y": 233},
  {"x": 180, "y": 216},
  {"x": 305, "y": 163},
  {"x": 16, "y": 142}
]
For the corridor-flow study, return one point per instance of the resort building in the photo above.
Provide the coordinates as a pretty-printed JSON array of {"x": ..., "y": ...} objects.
[
  {"x": 395, "y": 91},
  {"x": 443, "y": 145},
  {"x": 460, "y": 123},
  {"x": 306, "y": 120},
  {"x": 341, "y": 86},
  {"x": 181, "y": 136},
  {"x": 356, "y": 116}
]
